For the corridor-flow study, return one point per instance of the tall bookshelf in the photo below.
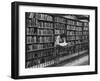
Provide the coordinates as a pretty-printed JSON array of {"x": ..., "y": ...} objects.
[
  {"x": 71, "y": 36},
  {"x": 41, "y": 31}
]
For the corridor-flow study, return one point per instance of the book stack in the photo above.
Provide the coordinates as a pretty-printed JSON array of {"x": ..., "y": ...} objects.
[
  {"x": 59, "y": 26},
  {"x": 79, "y": 23},
  {"x": 46, "y": 17},
  {"x": 43, "y": 24},
  {"x": 60, "y": 20},
  {"x": 71, "y": 22},
  {"x": 44, "y": 32}
]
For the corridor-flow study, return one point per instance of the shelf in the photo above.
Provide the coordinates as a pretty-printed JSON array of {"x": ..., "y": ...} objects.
[
  {"x": 40, "y": 27},
  {"x": 69, "y": 30},
  {"x": 40, "y": 43},
  {"x": 60, "y": 29},
  {"x": 32, "y": 26},
  {"x": 71, "y": 35},
  {"x": 39, "y": 35},
  {"x": 59, "y": 22},
  {"x": 70, "y": 24},
  {"x": 78, "y": 26},
  {"x": 45, "y": 21},
  {"x": 45, "y": 28},
  {"x": 41, "y": 49}
]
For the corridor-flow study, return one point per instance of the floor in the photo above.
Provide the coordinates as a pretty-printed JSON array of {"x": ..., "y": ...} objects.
[{"x": 75, "y": 61}]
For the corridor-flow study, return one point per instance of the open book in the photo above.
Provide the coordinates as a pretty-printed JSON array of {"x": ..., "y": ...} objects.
[{"x": 63, "y": 44}]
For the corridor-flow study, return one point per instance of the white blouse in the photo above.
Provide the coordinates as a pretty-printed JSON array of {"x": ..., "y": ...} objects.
[{"x": 57, "y": 42}]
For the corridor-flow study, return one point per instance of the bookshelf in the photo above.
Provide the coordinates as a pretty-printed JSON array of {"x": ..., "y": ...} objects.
[{"x": 41, "y": 31}]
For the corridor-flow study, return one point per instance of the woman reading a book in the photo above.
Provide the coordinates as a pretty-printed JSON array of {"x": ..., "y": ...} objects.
[
  {"x": 61, "y": 40},
  {"x": 60, "y": 43}
]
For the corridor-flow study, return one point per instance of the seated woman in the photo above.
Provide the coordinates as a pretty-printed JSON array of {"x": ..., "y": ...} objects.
[
  {"x": 61, "y": 40},
  {"x": 60, "y": 43}
]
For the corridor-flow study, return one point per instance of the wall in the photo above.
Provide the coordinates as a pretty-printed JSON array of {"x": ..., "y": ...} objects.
[{"x": 5, "y": 40}]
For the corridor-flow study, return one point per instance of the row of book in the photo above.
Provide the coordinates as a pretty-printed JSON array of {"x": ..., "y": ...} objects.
[
  {"x": 31, "y": 31},
  {"x": 40, "y": 16},
  {"x": 81, "y": 41},
  {"x": 31, "y": 39},
  {"x": 59, "y": 31},
  {"x": 78, "y": 29},
  {"x": 70, "y": 27},
  {"x": 32, "y": 22},
  {"x": 45, "y": 39},
  {"x": 69, "y": 38},
  {"x": 79, "y": 37},
  {"x": 70, "y": 43},
  {"x": 39, "y": 39},
  {"x": 70, "y": 32},
  {"x": 44, "y": 32},
  {"x": 45, "y": 24},
  {"x": 46, "y": 17},
  {"x": 78, "y": 42},
  {"x": 60, "y": 20},
  {"x": 85, "y": 37},
  {"x": 59, "y": 25},
  {"x": 78, "y": 33},
  {"x": 85, "y": 28},
  {"x": 86, "y": 24},
  {"x": 71, "y": 22},
  {"x": 85, "y": 41},
  {"x": 32, "y": 47},
  {"x": 40, "y": 24},
  {"x": 79, "y": 23},
  {"x": 85, "y": 32},
  {"x": 36, "y": 31}
]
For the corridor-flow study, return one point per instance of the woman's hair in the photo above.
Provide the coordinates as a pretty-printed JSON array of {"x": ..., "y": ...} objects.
[{"x": 63, "y": 35}]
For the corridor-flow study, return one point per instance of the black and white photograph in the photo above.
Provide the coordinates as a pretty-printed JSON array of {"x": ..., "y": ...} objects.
[
  {"x": 50, "y": 40},
  {"x": 54, "y": 40}
]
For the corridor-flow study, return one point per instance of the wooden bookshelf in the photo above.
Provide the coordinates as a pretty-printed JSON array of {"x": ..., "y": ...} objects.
[{"x": 41, "y": 32}]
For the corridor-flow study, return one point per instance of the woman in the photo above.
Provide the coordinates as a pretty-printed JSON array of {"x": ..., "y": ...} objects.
[
  {"x": 60, "y": 43},
  {"x": 61, "y": 40}
]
